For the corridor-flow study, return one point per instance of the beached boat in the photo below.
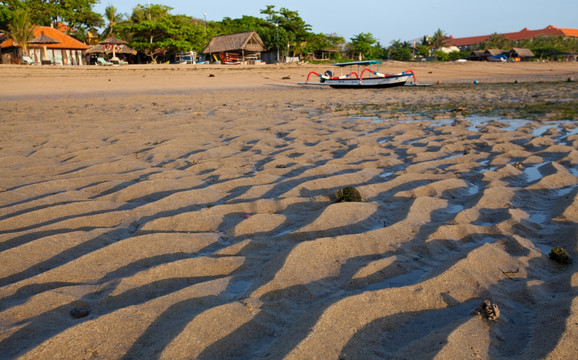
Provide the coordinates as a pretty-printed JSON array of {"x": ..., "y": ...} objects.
[{"x": 360, "y": 74}]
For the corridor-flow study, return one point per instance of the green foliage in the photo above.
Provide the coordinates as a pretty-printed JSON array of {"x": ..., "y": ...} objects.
[
  {"x": 112, "y": 17},
  {"x": 400, "y": 51},
  {"x": 285, "y": 27},
  {"x": 348, "y": 194},
  {"x": 244, "y": 24},
  {"x": 364, "y": 46},
  {"x": 154, "y": 31},
  {"x": 7, "y": 9},
  {"x": 441, "y": 56},
  {"x": 438, "y": 39},
  {"x": 317, "y": 42},
  {"x": 21, "y": 29},
  {"x": 544, "y": 47},
  {"x": 455, "y": 55},
  {"x": 496, "y": 41},
  {"x": 77, "y": 14},
  {"x": 423, "y": 51}
]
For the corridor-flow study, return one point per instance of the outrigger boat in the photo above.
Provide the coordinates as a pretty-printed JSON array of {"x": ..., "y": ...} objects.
[{"x": 358, "y": 79}]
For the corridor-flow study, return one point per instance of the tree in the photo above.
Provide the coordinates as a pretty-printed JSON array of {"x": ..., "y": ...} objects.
[
  {"x": 497, "y": 41},
  {"x": 77, "y": 14},
  {"x": 438, "y": 39},
  {"x": 363, "y": 46},
  {"x": 244, "y": 24},
  {"x": 319, "y": 42},
  {"x": 400, "y": 51},
  {"x": 441, "y": 56},
  {"x": 112, "y": 17},
  {"x": 423, "y": 51},
  {"x": 287, "y": 25},
  {"x": 21, "y": 29},
  {"x": 146, "y": 29},
  {"x": 7, "y": 9},
  {"x": 155, "y": 32}
]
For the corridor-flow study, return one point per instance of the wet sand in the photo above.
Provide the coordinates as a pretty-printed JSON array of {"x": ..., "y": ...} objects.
[{"x": 159, "y": 212}]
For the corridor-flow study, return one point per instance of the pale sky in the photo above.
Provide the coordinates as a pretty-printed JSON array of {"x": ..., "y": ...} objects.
[{"x": 388, "y": 20}]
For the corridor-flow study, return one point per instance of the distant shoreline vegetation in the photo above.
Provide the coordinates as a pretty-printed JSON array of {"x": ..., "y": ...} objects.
[{"x": 158, "y": 35}]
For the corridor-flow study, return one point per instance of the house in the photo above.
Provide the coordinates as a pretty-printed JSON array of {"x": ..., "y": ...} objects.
[
  {"x": 449, "y": 49},
  {"x": 239, "y": 47},
  {"x": 524, "y": 34},
  {"x": 68, "y": 51}
]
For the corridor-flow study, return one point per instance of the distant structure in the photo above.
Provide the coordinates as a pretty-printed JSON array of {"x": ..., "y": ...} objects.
[
  {"x": 68, "y": 50},
  {"x": 235, "y": 48},
  {"x": 466, "y": 43}
]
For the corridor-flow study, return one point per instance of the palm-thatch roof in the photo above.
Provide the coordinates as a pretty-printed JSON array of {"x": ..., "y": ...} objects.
[
  {"x": 521, "y": 53},
  {"x": 44, "y": 39},
  {"x": 247, "y": 41},
  {"x": 104, "y": 49},
  {"x": 111, "y": 40},
  {"x": 494, "y": 52}
]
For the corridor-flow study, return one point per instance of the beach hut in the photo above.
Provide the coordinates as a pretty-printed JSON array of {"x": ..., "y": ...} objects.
[
  {"x": 495, "y": 55},
  {"x": 235, "y": 48},
  {"x": 521, "y": 54},
  {"x": 476, "y": 55},
  {"x": 67, "y": 51},
  {"x": 114, "y": 46}
]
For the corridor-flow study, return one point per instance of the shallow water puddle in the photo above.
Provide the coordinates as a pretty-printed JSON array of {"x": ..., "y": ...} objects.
[
  {"x": 374, "y": 119},
  {"x": 386, "y": 174},
  {"x": 478, "y": 121},
  {"x": 542, "y": 130},
  {"x": 454, "y": 208},
  {"x": 533, "y": 173}
]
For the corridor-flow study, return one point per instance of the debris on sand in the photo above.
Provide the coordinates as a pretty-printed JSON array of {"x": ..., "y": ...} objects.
[
  {"x": 560, "y": 255},
  {"x": 488, "y": 310},
  {"x": 348, "y": 194}
]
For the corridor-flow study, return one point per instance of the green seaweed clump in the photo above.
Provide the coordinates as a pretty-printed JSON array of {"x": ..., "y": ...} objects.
[
  {"x": 560, "y": 255},
  {"x": 348, "y": 194}
]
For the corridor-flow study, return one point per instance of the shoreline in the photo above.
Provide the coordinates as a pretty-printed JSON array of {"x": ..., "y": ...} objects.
[{"x": 19, "y": 80}]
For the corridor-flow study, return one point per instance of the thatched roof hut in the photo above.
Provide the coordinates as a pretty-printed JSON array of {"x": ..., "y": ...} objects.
[
  {"x": 522, "y": 54},
  {"x": 236, "y": 47},
  {"x": 494, "y": 52},
  {"x": 103, "y": 49}
]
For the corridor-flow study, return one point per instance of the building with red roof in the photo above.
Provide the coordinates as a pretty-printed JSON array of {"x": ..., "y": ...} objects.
[
  {"x": 524, "y": 34},
  {"x": 68, "y": 50}
]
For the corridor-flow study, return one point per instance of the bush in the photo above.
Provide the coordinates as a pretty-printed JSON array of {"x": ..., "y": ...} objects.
[{"x": 441, "y": 56}]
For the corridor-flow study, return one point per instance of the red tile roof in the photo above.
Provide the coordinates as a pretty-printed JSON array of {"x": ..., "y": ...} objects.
[
  {"x": 66, "y": 42},
  {"x": 523, "y": 34}
]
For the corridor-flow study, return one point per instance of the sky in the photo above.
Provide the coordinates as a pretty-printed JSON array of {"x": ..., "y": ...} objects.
[{"x": 387, "y": 20}]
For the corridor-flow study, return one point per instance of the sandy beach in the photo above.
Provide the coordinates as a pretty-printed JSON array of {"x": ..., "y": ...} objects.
[{"x": 188, "y": 212}]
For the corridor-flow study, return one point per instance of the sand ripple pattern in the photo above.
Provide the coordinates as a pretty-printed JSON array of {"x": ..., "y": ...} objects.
[{"x": 202, "y": 226}]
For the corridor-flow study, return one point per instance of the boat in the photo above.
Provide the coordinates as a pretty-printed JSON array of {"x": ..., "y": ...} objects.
[{"x": 359, "y": 74}]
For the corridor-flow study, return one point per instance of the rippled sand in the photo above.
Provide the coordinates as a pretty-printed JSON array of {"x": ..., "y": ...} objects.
[{"x": 201, "y": 223}]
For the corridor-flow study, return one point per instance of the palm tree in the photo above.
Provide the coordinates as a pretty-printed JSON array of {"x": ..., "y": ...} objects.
[
  {"x": 21, "y": 29},
  {"x": 112, "y": 17},
  {"x": 438, "y": 39}
]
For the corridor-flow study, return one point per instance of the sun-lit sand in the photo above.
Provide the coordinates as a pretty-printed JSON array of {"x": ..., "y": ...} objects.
[{"x": 182, "y": 212}]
